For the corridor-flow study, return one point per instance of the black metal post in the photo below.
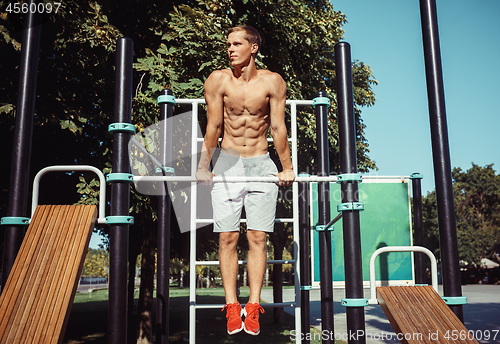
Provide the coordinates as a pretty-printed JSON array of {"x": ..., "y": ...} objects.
[
  {"x": 305, "y": 272},
  {"x": 120, "y": 196},
  {"x": 325, "y": 237},
  {"x": 21, "y": 151},
  {"x": 163, "y": 245},
  {"x": 349, "y": 192},
  {"x": 418, "y": 228},
  {"x": 441, "y": 155}
]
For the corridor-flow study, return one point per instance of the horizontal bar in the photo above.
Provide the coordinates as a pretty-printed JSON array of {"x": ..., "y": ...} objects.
[
  {"x": 202, "y": 101},
  {"x": 208, "y": 221},
  {"x": 216, "y": 262},
  {"x": 220, "y": 306},
  {"x": 238, "y": 179},
  {"x": 235, "y": 179}
]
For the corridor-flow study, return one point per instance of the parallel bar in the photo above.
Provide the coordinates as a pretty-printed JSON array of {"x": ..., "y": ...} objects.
[
  {"x": 120, "y": 196},
  {"x": 325, "y": 239},
  {"x": 283, "y": 220},
  {"x": 305, "y": 270},
  {"x": 216, "y": 262},
  {"x": 163, "y": 232},
  {"x": 418, "y": 231},
  {"x": 441, "y": 154},
  {"x": 265, "y": 305},
  {"x": 349, "y": 191},
  {"x": 192, "y": 222},
  {"x": 21, "y": 147}
]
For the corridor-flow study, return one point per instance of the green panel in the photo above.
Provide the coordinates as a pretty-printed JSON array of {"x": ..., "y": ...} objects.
[{"x": 384, "y": 222}]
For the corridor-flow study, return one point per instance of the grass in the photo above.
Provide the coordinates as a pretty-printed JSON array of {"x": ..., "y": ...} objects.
[{"x": 88, "y": 320}]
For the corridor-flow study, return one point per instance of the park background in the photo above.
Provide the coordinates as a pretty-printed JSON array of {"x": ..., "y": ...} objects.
[{"x": 384, "y": 35}]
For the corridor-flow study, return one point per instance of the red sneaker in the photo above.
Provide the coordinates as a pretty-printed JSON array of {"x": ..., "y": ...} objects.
[
  {"x": 233, "y": 316},
  {"x": 251, "y": 313}
]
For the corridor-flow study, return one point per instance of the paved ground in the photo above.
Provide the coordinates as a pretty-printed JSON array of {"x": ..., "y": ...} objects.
[{"x": 482, "y": 313}]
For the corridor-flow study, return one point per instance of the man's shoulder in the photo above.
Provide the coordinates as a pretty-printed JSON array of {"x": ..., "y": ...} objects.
[
  {"x": 220, "y": 74},
  {"x": 271, "y": 76}
]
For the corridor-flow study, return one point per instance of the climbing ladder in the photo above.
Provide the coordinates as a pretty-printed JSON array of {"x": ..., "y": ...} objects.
[{"x": 194, "y": 220}]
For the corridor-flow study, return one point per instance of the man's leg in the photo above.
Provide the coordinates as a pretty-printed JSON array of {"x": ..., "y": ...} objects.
[
  {"x": 256, "y": 264},
  {"x": 228, "y": 259}
]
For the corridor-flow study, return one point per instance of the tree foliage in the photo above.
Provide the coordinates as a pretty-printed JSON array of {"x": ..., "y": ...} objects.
[{"x": 477, "y": 208}]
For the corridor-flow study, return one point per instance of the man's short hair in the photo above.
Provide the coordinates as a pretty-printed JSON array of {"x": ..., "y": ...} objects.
[{"x": 252, "y": 35}]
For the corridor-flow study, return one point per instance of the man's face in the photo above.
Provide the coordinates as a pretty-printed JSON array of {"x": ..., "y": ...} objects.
[{"x": 239, "y": 49}]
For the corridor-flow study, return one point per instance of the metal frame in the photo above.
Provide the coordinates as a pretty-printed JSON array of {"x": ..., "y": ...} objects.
[
  {"x": 193, "y": 306},
  {"x": 373, "y": 292},
  {"x": 71, "y": 168}
]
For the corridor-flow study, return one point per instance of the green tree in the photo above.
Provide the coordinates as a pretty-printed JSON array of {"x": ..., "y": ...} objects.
[{"x": 477, "y": 208}]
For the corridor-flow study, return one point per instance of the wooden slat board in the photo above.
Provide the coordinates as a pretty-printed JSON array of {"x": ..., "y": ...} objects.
[
  {"x": 419, "y": 315},
  {"x": 36, "y": 302}
]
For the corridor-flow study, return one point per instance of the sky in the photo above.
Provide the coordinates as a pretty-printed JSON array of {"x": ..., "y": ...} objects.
[{"x": 387, "y": 35}]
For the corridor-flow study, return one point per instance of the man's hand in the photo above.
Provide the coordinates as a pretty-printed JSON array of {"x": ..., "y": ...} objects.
[
  {"x": 286, "y": 177},
  {"x": 204, "y": 176}
]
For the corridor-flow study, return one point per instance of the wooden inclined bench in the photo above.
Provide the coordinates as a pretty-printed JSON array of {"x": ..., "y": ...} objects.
[
  {"x": 419, "y": 315},
  {"x": 36, "y": 301}
]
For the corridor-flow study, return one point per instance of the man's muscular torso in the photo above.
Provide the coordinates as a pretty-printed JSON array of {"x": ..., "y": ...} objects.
[{"x": 246, "y": 113}]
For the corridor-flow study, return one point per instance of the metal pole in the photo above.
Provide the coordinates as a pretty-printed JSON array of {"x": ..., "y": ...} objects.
[
  {"x": 21, "y": 151},
  {"x": 305, "y": 273},
  {"x": 163, "y": 245},
  {"x": 441, "y": 155},
  {"x": 418, "y": 228},
  {"x": 120, "y": 196},
  {"x": 349, "y": 192},
  {"x": 325, "y": 240}
]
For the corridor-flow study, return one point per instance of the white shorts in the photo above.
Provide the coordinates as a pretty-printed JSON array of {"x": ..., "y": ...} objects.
[{"x": 259, "y": 198}]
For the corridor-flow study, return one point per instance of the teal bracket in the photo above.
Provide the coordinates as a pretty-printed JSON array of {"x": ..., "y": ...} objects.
[
  {"x": 322, "y": 228},
  {"x": 416, "y": 176},
  {"x": 350, "y": 206},
  {"x": 305, "y": 287},
  {"x": 14, "y": 220},
  {"x": 354, "y": 302},
  {"x": 121, "y": 127},
  {"x": 166, "y": 98},
  {"x": 119, "y": 177},
  {"x": 321, "y": 101},
  {"x": 455, "y": 300},
  {"x": 349, "y": 177},
  {"x": 165, "y": 169},
  {"x": 119, "y": 220}
]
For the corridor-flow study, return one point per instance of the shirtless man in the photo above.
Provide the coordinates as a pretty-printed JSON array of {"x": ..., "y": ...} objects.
[{"x": 244, "y": 103}]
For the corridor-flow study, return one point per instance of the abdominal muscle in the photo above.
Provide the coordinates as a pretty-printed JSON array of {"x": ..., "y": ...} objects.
[{"x": 245, "y": 134}]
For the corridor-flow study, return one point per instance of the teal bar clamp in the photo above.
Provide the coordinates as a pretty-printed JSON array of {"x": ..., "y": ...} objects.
[
  {"x": 322, "y": 228},
  {"x": 165, "y": 169},
  {"x": 350, "y": 206},
  {"x": 305, "y": 287},
  {"x": 14, "y": 221},
  {"x": 121, "y": 127},
  {"x": 354, "y": 302},
  {"x": 349, "y": 177},
  {"x": 454, "y": 300},
  {"x": 166, "y": 98},
  {"x": 321, "y": 101},
  {"x": 119, "y": 220},
  {"x": 119, "y": 177},
  {"x": 416, "y": 176}
]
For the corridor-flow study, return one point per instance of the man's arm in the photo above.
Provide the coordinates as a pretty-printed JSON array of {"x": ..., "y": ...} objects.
[
  {"x": 214, "y": 99},
  {"x": 277, "y": 101}
]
